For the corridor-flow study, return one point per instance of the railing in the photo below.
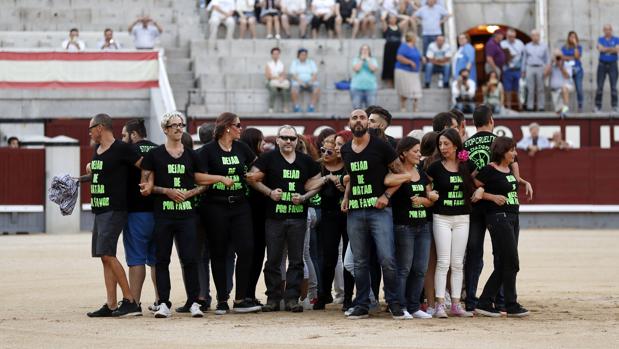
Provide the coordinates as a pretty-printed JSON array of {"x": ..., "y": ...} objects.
[{"x": 162, "y": 100}]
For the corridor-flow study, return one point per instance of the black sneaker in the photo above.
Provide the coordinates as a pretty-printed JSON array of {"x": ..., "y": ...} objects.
[
  {"x": 517, "y": 311},
  {"x": 127, "y": 308},
  {"x": 347, "y": 304},
  {"x": 487, "y": 310},
  {"x": 396, "y": 311},
  {"x": 204, "y": 305},
  {"x": 257, "y": 302},
  {"x": 105, "y": 311},
  {"x": 294, "y": 307},
  {"x": 222, "y": 308},
  {"x": 358, "y": 313},
  {"x": 246, "y": 306},
  {"x": 184, "y": 309},
  {"x": 320, "y": 304},
  {"x": 270, "y": 306}
]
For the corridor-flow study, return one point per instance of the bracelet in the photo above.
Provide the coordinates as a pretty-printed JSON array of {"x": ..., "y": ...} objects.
[{"x": 387, "y": 195}]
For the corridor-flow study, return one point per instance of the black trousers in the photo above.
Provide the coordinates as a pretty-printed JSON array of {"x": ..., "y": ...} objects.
[
  {"x": 504, "y": 230},
  {"x": 183, "y": 232},
  {"x": 258, "y": 219},
  {"x": 230, "y": 226},
  {"x": 331, "y": 229},
  {"x": 279, "y": 234}
]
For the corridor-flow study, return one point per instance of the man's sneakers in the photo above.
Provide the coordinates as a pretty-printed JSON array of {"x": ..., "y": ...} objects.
[
  {"x": 246, "y": 306},
  {"x": 420, "y": 314},
  {"x": 270, "y": 307},
  {"x": 222, "y": 308},
  {"x": 294, "y": 306},
  {"x": 358, "y": 313},
  {"x": 195, "y": 310},
  {"x": 407, "y": 315},
  {"x": 396, "y": 311},
  {"x": 163, "y": 311},
  {"x": 487, "y": 310},
  {"x": 105, "y": 311},
  {"x": 517, "y": 311},
  {"x": 127, "y": 308}
]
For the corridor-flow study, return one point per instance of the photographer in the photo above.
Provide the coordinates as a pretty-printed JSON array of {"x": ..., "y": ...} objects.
[
  {"x": 73, "y": 43},
  {"x": 463, "y": 92},
  {"x": 145, "y": 35},
  {"x": 108, "y": 42},
  {"x": 560, "y": 83}
]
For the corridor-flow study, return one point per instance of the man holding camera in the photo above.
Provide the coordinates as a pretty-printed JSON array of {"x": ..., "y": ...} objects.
[
  {"x": 463, "y": 92},
  {"x": 73, "y": 43},
  {"x": 108, "y": 42},
  {"x": 561, "y": 83},
  {"x": 146, "y": 34}
]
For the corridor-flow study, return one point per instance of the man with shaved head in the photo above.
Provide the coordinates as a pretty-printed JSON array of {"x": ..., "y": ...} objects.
[{"x": 608, "y": 45}]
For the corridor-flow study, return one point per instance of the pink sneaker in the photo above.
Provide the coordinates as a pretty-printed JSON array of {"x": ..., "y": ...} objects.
[
  {"x": 456, "y": 310},
  {"x": 439, "y": 312}
]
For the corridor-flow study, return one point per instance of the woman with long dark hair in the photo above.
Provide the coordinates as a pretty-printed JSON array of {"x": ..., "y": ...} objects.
[
  {"x": 572, "y": 53},
  {"x": 502, "y": 211},
  {"x": 452, "y": 180}
]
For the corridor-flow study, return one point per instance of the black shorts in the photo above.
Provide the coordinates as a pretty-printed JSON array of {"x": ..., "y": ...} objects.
[{"x": 105, "y": 232}]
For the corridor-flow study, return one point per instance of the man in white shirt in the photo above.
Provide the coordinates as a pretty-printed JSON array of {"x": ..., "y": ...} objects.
[
  {"x": 108, "y": 42},
  {"x": 463, "y": 92},
  {"x": 293, "y": 12},
  {"x": 222, "y": 12},
  {"x": 512, "y": 70},
  {"x": 73, "y": 43},
  {"x": 432, "y": 16},
  {"x": 533, "y": 142},
  {"x": 145, "y": 32},
  {"x": 438, "y": 61}
]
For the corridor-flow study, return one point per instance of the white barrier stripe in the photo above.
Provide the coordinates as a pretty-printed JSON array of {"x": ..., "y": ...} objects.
[{"x": 78, "y": 71}]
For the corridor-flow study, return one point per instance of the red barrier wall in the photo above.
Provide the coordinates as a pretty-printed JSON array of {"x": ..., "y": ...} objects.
[{"x": 22, "y": 176}]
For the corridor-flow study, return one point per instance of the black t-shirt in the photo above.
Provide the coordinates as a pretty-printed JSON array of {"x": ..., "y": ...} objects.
[
  {"x": 346, "y": 7},
  {"x": 499, "y": 183},
  {"x": 367, "y": 171},
  {"x": 136, "y": 202},
  {"x": 233, "y": 164},
  {"x": 478, "y": 147},
  {"x": 331, "y": 196},
  {"x": 404, "y": 213},
  {"x": 173, "y": 173},
  {"x": 290, "y": 178},
  {"x": 108, "y": 187},
  {"x": 450, "y": 188}
]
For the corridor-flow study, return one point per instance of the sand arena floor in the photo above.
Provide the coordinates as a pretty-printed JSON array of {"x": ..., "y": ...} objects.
[{"x": 569, "y": 280}]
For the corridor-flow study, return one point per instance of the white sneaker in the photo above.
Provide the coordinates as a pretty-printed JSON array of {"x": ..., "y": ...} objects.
[
  {"x": 440, "y": 311},
  {"x": 153, "y": 308},
  {"x": 195, "y": 310},
  {"x": 307, "y": 305},
  {"x": 338, "y": 300},
  {"x": 270, "y": 36},
  {"x": 278, "y": 37},
  {"x": 163, "y": 311},
  {"x": 407, "y": 315},
  {"x": 349, "y": 311},
  {"x": 420, "y": 314}
]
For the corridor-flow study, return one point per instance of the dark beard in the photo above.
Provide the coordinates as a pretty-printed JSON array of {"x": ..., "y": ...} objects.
[{"x": 359, "y": 133}]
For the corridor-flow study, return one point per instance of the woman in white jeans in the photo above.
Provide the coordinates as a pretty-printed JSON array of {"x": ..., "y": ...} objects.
[{"x": 452, "y": 180}]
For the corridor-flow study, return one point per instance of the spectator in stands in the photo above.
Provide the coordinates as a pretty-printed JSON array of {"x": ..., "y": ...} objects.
[
  {"x": 494, "y": 96},
  {"x": 393, "y": 39},
  {"x": 536, "y": 65},
  {"x": 293, "y": 12},
  {"x": 406, "y": 11},
  {"x": 387, "y": 8},
  {"x": 346, "y": 13},
  {"x": 560, "y": 83},
  {"x": 495, "y": 57},
  {"x": 146, "y": 34},
  {"x": 407, "y": 81},
  {"x": 277, "y": 81},
  {"x": 572, "y": 52},
  {"x": 512, "y": 69},
  {"x": 323, "y": 12},
  {"x": 73, "y": 43},
  {"x": 533, "y": 142},
  {"x": 269, "y": 15},
  {"x": 368, "y": 11},
  {"x": 608, "y": 45},
  {"x": 13, "y": 142},
  {"x": 222, "y": 12},
  {"x": 438, "y": 58},
  {"x": 363, "y": 84},
  {"x": 557, "y": 142},
  {"x": 304, "y": 78},
  {"x": 432, "y": 16},
  {"x": 108, "y": 42},
  {"x": 465, "y": 57},
  {"x": 246, "y": 17},
  {"x": 463, "y": 92}
]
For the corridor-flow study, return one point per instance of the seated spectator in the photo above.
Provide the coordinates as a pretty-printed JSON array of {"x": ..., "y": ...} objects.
[
  {"x": 363, "y": 84},
  {"x": 406, "y": 74},
  {"x": 277, "y": 82},
  {"x": 145, "y": 32},
  {"x": 465, "y": 57},
  {"x": 346, "y": 13},
  {"x": 438, "y": 58},
  {"x": 560, "y": 83},
  {"x": 323, "y": 12},
  {"x": 432, "y": 16},
  {"x": 406, "y": 11},
  {"x": 13, "y": 142},
  {"x": 269, "y": 15},
  {"x": 108, "y": 42},
  {"x": 463, "y": 92},
  {"x": 533, "y": 142},
  {"x": 557, "y": 142},
  {"x": 304, "y": 76},
  {"x": 246, "y": 17},
  {"x": 494, "y": 95},
  {"x": 368, "y": 11},
  {"x": 388, "y": 7},
  {"x": 73, "y": 43},
  {"x": 222, "y": 12},
  {"x": 293, "y": 12}
]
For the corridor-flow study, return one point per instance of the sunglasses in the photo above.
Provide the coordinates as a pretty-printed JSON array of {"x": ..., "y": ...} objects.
[
  {"x": 327, "y": 151},
  {"x": 288, "y": 138},
  {"x": 176, "y": 125},
  {"x": 93, "y": 126}
]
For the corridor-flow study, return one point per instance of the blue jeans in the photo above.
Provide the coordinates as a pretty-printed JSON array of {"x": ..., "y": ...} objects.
[
  {"x": 362, "y": 98},
  {"x": 427, "y": 40},
  {"x": 577, "y": 75},
  {"x": 436, "y": 69},
  {"x": 412, "y": 245},
  {"x": 364, "y": 226},
  {"x": 604, "y": 69}
]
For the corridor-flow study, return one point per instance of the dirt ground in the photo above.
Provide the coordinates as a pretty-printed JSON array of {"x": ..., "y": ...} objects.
[{"x": 568, "y": 279}]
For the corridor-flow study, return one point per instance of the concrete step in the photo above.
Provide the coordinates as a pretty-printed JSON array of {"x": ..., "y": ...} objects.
[
  {"x": 174, "y": 53},
  {"x": 181, "y": 77}
]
